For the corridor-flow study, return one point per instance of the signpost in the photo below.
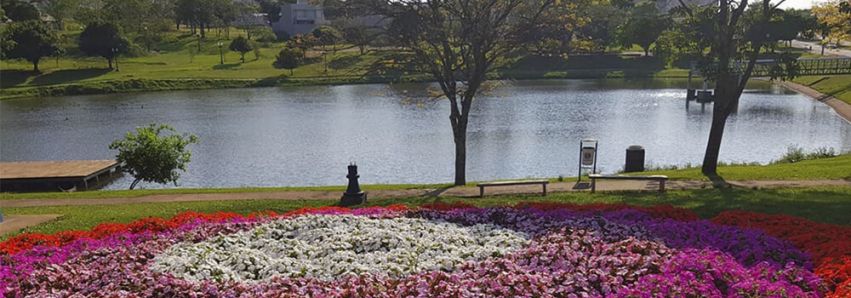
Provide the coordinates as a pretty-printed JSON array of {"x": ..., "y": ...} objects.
[{"x": 587, "y": 156}]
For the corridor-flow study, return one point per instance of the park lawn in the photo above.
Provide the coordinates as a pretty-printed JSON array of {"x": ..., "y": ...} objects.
[
  {"x": 828, "y": 168},
  {"x": 825, "y": 204},
  {"x": 838, "y": 86}
]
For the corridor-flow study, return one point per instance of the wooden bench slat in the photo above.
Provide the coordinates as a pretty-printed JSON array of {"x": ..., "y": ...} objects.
[
  {"x": 661, "y": 178},
  {"x": 510, "y": 183}
]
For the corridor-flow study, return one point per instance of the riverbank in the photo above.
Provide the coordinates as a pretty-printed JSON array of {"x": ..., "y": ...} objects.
[
  {"x": 842, "y": 107},
  {"x": 154, "y": 85}
]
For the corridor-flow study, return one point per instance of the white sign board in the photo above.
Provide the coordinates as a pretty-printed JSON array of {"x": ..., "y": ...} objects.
[{"x": 588, "y": 156}]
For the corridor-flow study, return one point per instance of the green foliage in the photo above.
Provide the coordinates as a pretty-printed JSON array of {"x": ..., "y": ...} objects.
[
  {"x": 327, "y": 35},
  {"x": 104, "y": 40},
  {"x": 643, "y": 27},
  {"x": 31, "y": 40},
  {"x": 19, "y": 11},
  {"x": 796, "y": 154},
  {"x": 150, "y": 155},
  {"x": 289, "y": 58},
  {"x": 241, "y": 45}
]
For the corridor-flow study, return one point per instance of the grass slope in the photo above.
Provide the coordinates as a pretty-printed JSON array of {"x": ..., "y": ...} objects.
[
  {"x": 830, "y": 205},
  {"x": 828, "y": 168},
  {"x": 837, "y": 86}
]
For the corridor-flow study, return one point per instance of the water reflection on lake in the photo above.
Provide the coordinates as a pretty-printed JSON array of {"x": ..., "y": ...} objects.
[{"x": 306, "y": 135}]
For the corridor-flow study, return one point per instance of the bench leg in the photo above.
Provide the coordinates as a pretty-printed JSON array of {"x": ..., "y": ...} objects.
[
  {"x": 593, "y": 185},
  {"x": 661, "y": 185},
  {"x": 545, "y": 190},
  {"x": 481, "y": 191}
]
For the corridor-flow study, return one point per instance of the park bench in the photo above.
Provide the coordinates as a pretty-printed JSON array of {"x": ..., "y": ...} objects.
[
  {"x": 661, "y": 178},
  {"x": 511, "y": 183}
]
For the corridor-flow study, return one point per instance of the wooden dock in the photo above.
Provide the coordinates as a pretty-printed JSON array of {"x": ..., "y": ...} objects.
[{"x": 54, "y": 175}]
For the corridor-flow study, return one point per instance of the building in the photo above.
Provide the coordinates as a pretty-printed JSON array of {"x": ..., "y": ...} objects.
[{"x": 299, "y": 18}]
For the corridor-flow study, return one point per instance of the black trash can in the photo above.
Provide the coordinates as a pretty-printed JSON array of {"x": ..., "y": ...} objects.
[{"x": 634, "y": 159}]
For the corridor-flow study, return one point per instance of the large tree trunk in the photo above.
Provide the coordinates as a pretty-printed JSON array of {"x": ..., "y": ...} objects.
[
  {"x": 461, "y": 156},
  {"x": 713, "y": 147}
]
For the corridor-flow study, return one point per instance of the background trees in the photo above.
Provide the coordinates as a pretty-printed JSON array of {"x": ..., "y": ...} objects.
[
  {"x": 154, "y": 153},
  {"x": 104, "y": 40},
  {"x": 241, "y": 45},
  {"x": 643, "y": 27},
  {"x": 289, "y": 58},
  {"x": 836, "y": 23},
  {"x": 31, "y": 40}
]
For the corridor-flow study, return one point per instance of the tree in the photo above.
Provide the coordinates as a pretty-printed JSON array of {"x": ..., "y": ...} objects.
[
  {"x": 358, "y": 35},
  {"x": 241, "y": 45},
  {"x": 31, "y": 40},
  {"x": 327, "y": 36},
  {"x": 643, "y": 27},
  {"x": 836, "y": 24},
  {"x": 104, "y": 40},
  {"x": 303, "y": 42},
  {"x": 458, "y": 42},
  {"x": 19, "y": 11},
  {"x": 60, "y": 10},
  {"x": 289, "y": 58},
  {"x": 721, "y": 65},
  {"x": 154, "y": 153}
]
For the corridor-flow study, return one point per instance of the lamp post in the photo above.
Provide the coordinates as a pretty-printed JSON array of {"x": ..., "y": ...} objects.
[
  {"x": 221, "y": 53},
  {"x": 115, "y": 57}
]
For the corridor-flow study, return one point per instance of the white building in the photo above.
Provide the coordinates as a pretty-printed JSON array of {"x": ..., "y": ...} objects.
[{"x": 299, "y": 18}]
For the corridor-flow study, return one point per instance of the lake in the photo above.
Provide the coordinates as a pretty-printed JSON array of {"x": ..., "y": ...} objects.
[{"x": 305, "y": 136}]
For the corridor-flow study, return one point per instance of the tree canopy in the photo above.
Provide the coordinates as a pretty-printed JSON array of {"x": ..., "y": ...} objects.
[
  {"x": 241, "y": 45},
  {"x": 31, "y": 40},
  {"x": 104, "y": 40},
  {"x": 154, "y": 153},
  {"x": 289, "y": 58}
]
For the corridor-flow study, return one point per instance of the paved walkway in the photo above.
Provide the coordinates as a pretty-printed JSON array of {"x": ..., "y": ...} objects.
[
  {"x": 466, "y": 191},
  {"x": 841, "y": 108},
  {"x": 816, "y": 48}
]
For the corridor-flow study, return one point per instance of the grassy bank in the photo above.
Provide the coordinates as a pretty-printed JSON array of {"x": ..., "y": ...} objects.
[
  {"x": 830, "y": 205},
  {"x": 828, "y": 168},
  {"x": 181, "y": 62},
  {"x": 838, "y": 86}
]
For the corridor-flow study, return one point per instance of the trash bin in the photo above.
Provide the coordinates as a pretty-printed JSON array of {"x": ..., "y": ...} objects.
[{"x": 634, "y": 159}]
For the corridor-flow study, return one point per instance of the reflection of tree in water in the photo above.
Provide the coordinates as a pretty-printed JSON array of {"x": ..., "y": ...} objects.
[{"x": 424, "y": 95}]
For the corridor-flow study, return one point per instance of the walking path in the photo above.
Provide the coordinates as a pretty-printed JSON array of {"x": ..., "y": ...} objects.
[
  {"x": 841, "y": 108},
  {"x": 465, "y": 191},
  {"x": 815, "y": 48},
  {"x": 14, "y": 223}
]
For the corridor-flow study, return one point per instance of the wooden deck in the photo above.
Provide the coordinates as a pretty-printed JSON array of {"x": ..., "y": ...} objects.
[
  {"x": 54, "y": 169},
  {"x": 64, "y": 174}
]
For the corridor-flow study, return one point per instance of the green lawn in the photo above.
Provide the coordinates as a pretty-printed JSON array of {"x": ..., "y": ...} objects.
[
  {"x": 828, "y": 168},
  {"x": 830, "y": 205},
  {"x": 838, "y": 86}
]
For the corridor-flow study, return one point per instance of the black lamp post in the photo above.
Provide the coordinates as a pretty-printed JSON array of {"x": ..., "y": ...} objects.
[
  {"x": 353, "y": 194},
  {"x": 221, "y": 54}
]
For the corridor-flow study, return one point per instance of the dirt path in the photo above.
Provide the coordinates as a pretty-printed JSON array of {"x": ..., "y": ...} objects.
[
  {"x": 466, "y": 191},
  {"x": 841, "y": 108},
  {"x": 14, "y": 223}
]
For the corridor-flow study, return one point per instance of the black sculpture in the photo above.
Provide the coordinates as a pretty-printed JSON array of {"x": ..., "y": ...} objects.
[{"x": 353, "y": 195}]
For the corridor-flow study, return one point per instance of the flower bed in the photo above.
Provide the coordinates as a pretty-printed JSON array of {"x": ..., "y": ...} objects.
[{"x": 539, "y": 250}]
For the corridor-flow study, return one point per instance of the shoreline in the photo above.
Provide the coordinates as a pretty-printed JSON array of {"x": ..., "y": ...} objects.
[
  {"x": 840, "y": 107},
  {"x": 157, "y": 85}
]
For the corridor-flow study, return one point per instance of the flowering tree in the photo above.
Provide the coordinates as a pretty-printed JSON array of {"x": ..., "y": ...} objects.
[{"x": 149, "y": 155}]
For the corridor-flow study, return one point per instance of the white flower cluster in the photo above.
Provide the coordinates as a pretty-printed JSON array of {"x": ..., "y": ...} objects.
[{"x": 331, "y": 246}]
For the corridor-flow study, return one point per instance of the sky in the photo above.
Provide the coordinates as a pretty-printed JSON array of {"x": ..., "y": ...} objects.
[{"x": 798, "y": 4}]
